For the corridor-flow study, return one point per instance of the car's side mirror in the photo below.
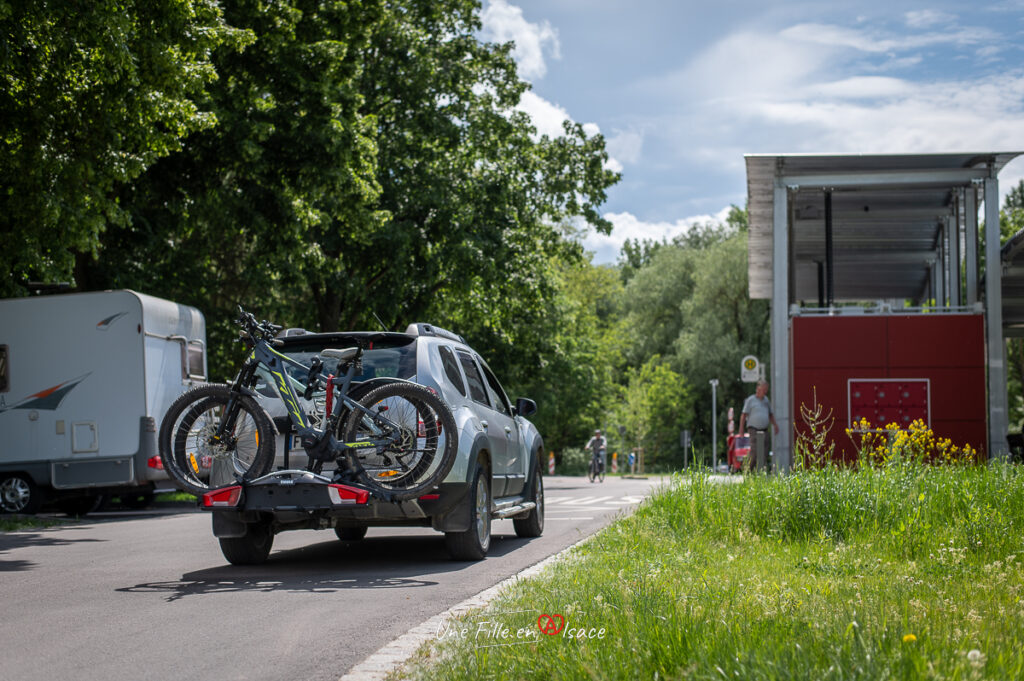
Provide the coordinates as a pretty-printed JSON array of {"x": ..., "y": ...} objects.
[{"x": 525, "y": 407}]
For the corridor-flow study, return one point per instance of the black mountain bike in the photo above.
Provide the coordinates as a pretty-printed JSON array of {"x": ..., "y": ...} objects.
[
  {"x": 397, "y": 441},
  {"x": 596, "y": 467}
]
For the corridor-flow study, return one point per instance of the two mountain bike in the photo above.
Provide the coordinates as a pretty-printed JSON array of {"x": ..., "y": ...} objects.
[{"x": 397, "y": 441}]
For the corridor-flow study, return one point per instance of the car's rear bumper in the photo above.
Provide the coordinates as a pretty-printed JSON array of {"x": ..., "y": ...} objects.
[{"x": 301, "y": 500}]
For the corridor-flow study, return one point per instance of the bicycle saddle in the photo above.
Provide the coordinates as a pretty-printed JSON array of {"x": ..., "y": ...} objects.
[{"x": 340, "y": 354}]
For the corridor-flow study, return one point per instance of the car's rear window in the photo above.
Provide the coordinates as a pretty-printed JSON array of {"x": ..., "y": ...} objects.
[
  {"x": 742, "y": 442},
  {"x": 384, "y": 358}
]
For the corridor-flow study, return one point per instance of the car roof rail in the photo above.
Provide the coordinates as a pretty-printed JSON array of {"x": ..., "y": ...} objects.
[{"x": 431, "y": 330}]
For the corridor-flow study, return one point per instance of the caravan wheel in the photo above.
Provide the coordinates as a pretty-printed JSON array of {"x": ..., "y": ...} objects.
[{"x": 19, "y": 494}]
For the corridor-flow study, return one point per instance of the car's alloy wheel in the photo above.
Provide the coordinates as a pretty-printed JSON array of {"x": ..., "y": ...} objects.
[
  {"x": 533, "y": 524},
  {"x": 18, "y": 494},
  {"x": 473, "y": 543}
]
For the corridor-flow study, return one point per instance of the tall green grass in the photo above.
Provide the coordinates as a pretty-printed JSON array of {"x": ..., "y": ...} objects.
[{"x": 910, "y": 572}]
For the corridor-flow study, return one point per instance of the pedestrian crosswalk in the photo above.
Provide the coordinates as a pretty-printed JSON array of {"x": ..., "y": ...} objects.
[{"x": 590, "y": 503}]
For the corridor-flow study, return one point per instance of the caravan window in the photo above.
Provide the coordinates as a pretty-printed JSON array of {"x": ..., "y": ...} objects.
[
  {"x": 193, "y": 361},
  {"x": 5, "y": 383}
]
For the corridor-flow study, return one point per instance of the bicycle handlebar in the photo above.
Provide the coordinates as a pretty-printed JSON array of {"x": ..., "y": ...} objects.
[{"x": 253, "y": 330}]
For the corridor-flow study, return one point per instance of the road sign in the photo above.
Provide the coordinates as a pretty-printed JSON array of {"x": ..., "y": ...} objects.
[{"x": 750, "y": 369}]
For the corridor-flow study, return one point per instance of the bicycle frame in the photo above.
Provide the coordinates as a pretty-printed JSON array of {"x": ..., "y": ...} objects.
[{"x": 319, "y": 444}]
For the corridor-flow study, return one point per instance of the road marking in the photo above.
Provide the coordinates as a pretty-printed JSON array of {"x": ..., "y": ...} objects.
[
  {"x": 559, "y": 517},
  {"x": 587, "y": 502}
]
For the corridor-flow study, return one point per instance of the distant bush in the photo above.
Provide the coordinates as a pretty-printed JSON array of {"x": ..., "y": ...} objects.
[{"x": 572, "y": 461}]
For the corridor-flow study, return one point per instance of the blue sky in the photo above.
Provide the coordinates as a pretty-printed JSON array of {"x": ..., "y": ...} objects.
[{"x": 682, "y": 90}]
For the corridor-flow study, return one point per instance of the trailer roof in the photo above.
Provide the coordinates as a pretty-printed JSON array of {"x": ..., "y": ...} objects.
[{"x": 888, "y": 215}]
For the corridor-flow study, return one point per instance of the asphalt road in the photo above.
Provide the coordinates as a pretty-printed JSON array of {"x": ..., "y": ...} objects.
[{"x": 149, "y": 596}]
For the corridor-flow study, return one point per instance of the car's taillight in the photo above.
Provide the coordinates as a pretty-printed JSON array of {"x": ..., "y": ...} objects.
[
  {"x": 155, "y": 462},
  {"x": 346, "y": 496},
  {"x": 430, "y": 497},
  {"x": 224, "y": 497},
  {"x": 421, "y": 429}
]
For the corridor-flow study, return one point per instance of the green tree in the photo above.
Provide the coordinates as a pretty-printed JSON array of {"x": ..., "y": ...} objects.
[
  {"x": 653, "y": 300},
  {"x": 261, "y": 209},
  {"x": 657, "y": 406},
  {"x": 476, "y": 197},
  {"x": 1011, "y": 221},
  {"x": 722, "y": 325},
  {"x": 569, "y": 358},
  {"x": 93, "y": 94},
  {"x": 636, "y": 254},
  {"x": 369, "y": 161}
]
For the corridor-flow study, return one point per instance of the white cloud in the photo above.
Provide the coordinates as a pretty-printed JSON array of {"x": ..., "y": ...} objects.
[
  {"x": 503, "y": 22},
  {"x": 863, "y": 87},
  {"x": 626, "y": 145},
  {"x": 547, "y": 117},
  {"x": 606, "y": 247},
  {"x": 874, "y": 42},
  {"x": 928, "y": 17}
]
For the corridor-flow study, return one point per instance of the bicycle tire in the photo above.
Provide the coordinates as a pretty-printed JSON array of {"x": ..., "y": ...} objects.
[
  {"x": 427, "y": 450},
  {"x": 591, "y": 473},
  {"x": 197, "y": 466}
]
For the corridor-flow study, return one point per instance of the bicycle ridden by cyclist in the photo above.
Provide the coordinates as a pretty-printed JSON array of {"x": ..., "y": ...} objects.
[{"x": 598, "y": 447}]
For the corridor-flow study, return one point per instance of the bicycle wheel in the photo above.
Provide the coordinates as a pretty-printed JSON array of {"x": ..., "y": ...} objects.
[
  {"x": 600, "y": 473},
  {"x": 191, "y": 456},
  {"x": 591, "y": 471},
  {"x": 425, "y": 439}
]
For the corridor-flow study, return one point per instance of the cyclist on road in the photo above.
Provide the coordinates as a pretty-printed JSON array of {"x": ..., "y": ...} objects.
[{"x": 597, "y": 446}]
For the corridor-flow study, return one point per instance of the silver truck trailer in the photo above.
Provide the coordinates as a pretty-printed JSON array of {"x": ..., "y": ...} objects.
[{"x": 85, "y": 379}]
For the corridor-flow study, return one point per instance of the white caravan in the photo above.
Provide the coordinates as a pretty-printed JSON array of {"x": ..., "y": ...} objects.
[{"x": 85, "y": 379}]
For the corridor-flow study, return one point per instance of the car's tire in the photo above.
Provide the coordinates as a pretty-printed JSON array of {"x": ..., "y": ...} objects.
[
  {"x": 252, "y": 548},
  {"x": 533, "y": 524},
  {"x": 20, "y": 494},
  {"x": 474, "y": 543},
  {"x": 350, "y": 533},
  {"x": 80, "y": 506},
  {"x": 185, "y": 439}
]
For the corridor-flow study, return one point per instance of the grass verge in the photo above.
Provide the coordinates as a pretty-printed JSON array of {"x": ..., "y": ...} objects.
[
  {"x": 909, "y": 573},
  {"x": 175, "y": 497},
  {"x": 15, "y": 523}
]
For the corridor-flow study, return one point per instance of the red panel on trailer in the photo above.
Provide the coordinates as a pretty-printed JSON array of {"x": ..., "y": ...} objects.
[
  {"x": 839, "y": 342},
  {"x": 947, "y": 350},
  {"x": 958, "y": 394},
  {"x": 936, "y": 341}
]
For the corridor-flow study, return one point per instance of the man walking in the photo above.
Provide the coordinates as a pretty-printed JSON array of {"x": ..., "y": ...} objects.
[{"x": 757, "y": 415}]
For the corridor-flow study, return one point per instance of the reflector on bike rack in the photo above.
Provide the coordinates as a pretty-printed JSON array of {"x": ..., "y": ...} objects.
[
  {"x": 226, "y": 497},
  {"x": 345, "y": 495}
]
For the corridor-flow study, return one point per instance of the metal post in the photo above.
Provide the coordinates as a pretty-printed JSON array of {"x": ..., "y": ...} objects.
[
  {"x": 998, "y": 423},
  {"x": 941, "y": 300},
  {"x": 829, "y": 255},
  {"x": 971, "y": 245},
  {"x": 821, "y": 284},
  {"x": 780, "y": 326},
  {"x": 954, "y": 254},
  {"x": 714, "y": 425}
]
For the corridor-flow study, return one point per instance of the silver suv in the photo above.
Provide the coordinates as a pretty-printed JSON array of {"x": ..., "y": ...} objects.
[{"x": 497, "y": 471}]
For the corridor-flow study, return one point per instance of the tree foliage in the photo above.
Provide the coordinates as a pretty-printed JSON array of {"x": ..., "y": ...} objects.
[
  {"x": 656, "y": 407},
  {"x": 93, "y": 94},
  {"x": 569, "y": 358},
  {"x": 368, "y": 163}
]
